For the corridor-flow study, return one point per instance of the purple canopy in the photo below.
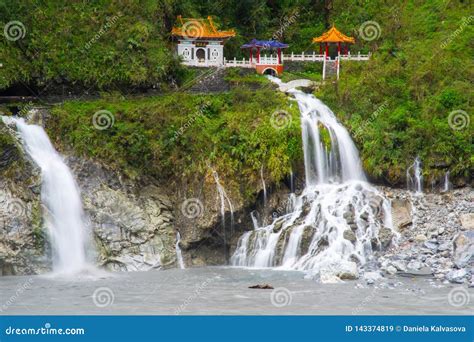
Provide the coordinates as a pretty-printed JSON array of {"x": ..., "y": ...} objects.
[{"x": 264, "y": 44}]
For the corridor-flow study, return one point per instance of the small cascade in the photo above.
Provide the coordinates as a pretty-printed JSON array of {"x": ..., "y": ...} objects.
[
  {"x": 338, "y": 218},
  {"x": 292, "y": 182},
  {"x": 223, "y": 198},
  {"x": 264, "y": 189},
  {"x": 179, "y": 254},
  {"x": 254, "y": 220},
  {"x": 447, "y": 186},
  {"x": 64, "y": 216},
  {"x": 415, "y": 177}
]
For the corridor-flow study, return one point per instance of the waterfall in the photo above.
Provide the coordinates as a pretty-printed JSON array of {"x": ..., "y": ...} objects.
[
  {"x": 415, "y": 177},
  {"x": 223, "y": 198},
  {"x": 179, "y": 254},
  {"x": 292, "y": 181},
  {"x": 254, "y": 220},
  {"x": 447, "y": 184},
  {"x": 338, "y": 216},
  {"x": 64, "y": 216},
  {"x": 264, "y": 189}
]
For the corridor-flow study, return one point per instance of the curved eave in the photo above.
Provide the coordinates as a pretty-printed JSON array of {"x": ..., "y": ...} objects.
[{"x": 207, "y": 35}]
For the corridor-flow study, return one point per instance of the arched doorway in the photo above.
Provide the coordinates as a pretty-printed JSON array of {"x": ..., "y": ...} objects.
[
  {"x": 270, "y": 71},
  {"x": 201, "y": 55}
]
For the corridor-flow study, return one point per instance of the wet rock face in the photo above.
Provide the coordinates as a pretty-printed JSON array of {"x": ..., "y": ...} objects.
[
  {"x": 132, "y": 226},
  {"x": 22, "y": 244}
]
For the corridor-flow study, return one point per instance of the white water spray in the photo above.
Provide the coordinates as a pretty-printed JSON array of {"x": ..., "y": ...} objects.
[
  {"x": 264, "y": 189},
  {"x": 223, "y": 198},
  {"x": 415, "y": 177},
  {"x": 447, "y": 184},
  {"x": 61, "y": 198},
  {"x": 179, "y": 254},
  {"x": 338, "y": 216}
]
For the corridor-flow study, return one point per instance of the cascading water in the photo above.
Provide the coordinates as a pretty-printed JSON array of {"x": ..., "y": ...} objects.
[
  {"x": 223, "y": 198},
  {"x": 447, "y": 184},
  {"x": 415, "y": 177},
  {"x": 179, "y": 254},
  {"x": 60, "y": 195},
  {"x": 338, "y": 218},
  {"x": 264, "y": 188}
]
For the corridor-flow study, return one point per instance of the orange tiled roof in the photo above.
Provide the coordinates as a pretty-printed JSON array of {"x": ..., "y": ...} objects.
[
  {"x": 333, "y": 36},
  {"x": 199, "y": 28}
]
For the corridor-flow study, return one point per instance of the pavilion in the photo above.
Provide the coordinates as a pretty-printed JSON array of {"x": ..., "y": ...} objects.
[
  {"x": 199, "y": 41},
  {"x": 333, "y": 36},
  {"x": 266, "y": 64}
]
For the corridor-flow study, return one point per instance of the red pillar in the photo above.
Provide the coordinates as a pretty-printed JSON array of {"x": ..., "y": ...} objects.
[
  {"x": 320, "y": 49},
  {"x": 250, "y": 52},
  {"x": 327, "y": 50},
  {"x": 338, "y": 48},
  {"x": 347, "y": 49},
  {"x": 258, "y": 55},
  {"x": 279, "y": 56}
]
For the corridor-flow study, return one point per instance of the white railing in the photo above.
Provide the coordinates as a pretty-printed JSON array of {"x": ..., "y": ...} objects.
[
  {"x": 202, "y": 64},
  {"x": 266, "y": 60},
  {"x": 310, "y": 57},
  {"x": 238, "y": 63},
  {"x": 313, "y": 57},
  {"x": 357, "y": 57}
]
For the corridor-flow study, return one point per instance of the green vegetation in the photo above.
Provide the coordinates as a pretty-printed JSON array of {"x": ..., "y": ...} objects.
[
  {"x": 182, "y": 134},
  {"x": 397, "y": 105}
]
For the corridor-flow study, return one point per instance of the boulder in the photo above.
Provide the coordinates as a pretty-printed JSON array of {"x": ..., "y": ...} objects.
[
  {"x": 463, "y": 246},
  {"x": 385, "y": 236},
  {"x": 349, "y": 235},
  {"x": 401, "y": 214},
  {"x": 372, "y": 277},
  {"x": 457, "y": 276},
  {"x": 467, "y": 221},
  {"x": 347, "y": 270}
]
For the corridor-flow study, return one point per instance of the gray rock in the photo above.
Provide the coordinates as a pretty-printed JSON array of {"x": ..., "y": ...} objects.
[
  {"x": 457, "y": 276},
  {"x": 349, "y": 235}
]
